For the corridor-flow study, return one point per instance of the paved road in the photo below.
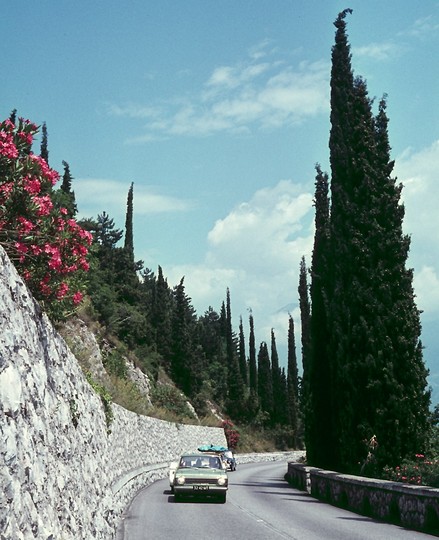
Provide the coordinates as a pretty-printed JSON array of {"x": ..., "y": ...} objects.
[{"x": 260, "y": 506}]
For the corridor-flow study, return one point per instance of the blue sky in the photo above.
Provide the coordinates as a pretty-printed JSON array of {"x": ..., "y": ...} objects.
[{"x": 218, "y": 112}]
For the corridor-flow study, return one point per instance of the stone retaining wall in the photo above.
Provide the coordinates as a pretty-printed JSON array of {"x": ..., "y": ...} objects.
[
  {"x": 414, "y": 507},
  {"x": 64, "y": 473}
]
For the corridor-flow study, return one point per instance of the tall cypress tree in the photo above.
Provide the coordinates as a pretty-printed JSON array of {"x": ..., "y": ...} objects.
[
  {"x": 305, "y": 315},
  {"x": 374, "y": 344},
  {"x": 44, "y": 152},
  {"x": 236, "y": 390},
  {"x": 253, "y": 369},
  {"x": 66, "y": 196},
  {"x": 265, "y": 382},
  {"x": 318, "y": 407},
  {"x": 305, "y": 309},
  {"x": 242, "y": 356},
  {"x": 129, "y": 238},
  {"x": 292, "y": 399},
  {"x": 161, "y": 317},
  {"x": 184, "y": 363},
  {"x": 278, "y": 395}
]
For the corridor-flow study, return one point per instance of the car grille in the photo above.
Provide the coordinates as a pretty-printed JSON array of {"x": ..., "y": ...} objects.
[{"x": 200, "y": 481}]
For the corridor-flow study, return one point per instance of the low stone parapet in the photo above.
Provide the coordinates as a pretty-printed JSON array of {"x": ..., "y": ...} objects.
[{"x": 414, "y": 507}]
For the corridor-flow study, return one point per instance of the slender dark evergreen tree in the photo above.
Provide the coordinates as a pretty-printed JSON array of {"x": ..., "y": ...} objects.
[
  {"x": 236, "y": 389},
  {"x": 305, "y": 314},
  {"x": 318, "y": 407},
  {"x": 242, "y": 356},
  {"x": 44, "y": 152},
  {"x": 253, "y": 369},
  {"x": 278, "y": 394},
  {"x": 66, "y": 196},
  {"x": 305, "y": 309},
  {"x": 292, "y": 400},
  {"x": 376, "y": 373},
  {"x": 13, "y": 116},
  {"x": 265, "y": 383},
  {"x": 161, "y": 317},
  {"x": 129, "y": 237},
  {"x": 183, "y": 360}
]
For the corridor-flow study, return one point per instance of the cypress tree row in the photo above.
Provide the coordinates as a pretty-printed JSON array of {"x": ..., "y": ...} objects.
[{"x": 363, "y": 301}]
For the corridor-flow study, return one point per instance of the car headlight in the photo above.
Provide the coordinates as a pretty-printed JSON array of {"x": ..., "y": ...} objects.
[
  {"x": 222, "y": 481},
  {"x": 181, "y": 480}
]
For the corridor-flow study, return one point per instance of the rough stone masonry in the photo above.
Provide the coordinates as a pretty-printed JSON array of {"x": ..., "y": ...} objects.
[{"x": 63, "y": 474}]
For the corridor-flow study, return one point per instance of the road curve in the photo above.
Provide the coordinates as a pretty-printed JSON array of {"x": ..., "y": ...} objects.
[{"x": 260, "y": 506}]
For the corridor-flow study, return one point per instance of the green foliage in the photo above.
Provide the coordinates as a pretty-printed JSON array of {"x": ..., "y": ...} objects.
[
  {"x": 114, "y": 363},
  {"x": 171, "y": 399},
  {"x": 105, "y": 398},
  {"x": 125, "y": 393}
]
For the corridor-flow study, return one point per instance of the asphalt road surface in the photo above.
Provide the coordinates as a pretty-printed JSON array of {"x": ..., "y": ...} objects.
[{"x": 260, "y": 506}]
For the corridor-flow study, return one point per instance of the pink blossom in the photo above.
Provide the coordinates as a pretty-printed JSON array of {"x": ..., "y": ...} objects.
[
  {"x": 36, "y": 250},
  {"x": 77, "y": 298},
  {"x": 62, "y": 291},
  {"x": 7, "y": 188},
  {"x": 44, "y": 204},
  {"x": 32, "y": 185},
  {"x": 27, "y": 137},
  {"x": 7, "y": 146},
  {"x": 25, "y": 225}
]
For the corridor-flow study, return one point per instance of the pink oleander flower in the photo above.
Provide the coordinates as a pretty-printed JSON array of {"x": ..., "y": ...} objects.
[
  {"x": 32, "y": 185},
  {"x": 7, "y": 146},
  {"x": 77, "y": 298},
  {"x": 44, "y": 205},
  {"x": 36, "y": 250},
  {"x": 62, "y": 291},
  {"x": 8, "y": 124},
  {"x": 20, "y": 247},
  {"x": 46, "y": 171},
  {"x": 26, "y": 226},
  {"x": 27, "y": 137}
]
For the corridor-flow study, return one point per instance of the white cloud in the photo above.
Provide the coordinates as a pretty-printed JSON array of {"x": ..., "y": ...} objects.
[
  {"x": 424, "y": 27},
  {"x": 255, "y": 251},
  {"x": 379, "y": 51},
  {"x": 236, "y": 98},
  {"x": 417, "y": 171},
  {"x": 112, "y": 196},
  {"x": 426, "y": 284}
]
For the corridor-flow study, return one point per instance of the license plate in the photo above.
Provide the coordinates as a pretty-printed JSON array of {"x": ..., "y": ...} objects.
[{"x": 200, "y": 488}]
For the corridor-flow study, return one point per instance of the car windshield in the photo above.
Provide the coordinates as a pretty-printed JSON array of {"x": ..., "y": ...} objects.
[{"x": 211, "y": 462}]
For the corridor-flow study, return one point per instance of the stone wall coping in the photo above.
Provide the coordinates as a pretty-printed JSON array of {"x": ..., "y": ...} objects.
[
  {"x": 386, "y": 485},
  {"x": 129, "y": 476}
]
